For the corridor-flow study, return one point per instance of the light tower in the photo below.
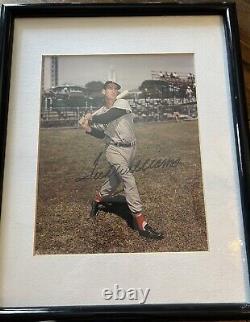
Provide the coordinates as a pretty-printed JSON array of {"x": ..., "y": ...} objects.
[
  {"x": 54, "y": 70},
  {"x": 49, "y": 72},
  {"x": 112, "y": 74}
]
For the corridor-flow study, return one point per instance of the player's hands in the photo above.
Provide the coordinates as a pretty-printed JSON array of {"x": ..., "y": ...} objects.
[
  {"x": 84, "y": 122},
  {"x": 88, "y": 116}
]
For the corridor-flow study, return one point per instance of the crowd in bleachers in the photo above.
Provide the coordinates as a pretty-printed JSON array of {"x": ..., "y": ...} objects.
[
  {"x": 167, "y": 96},
  {"x": 173, "y": 76},
  {"x": 160, "y": 110}
]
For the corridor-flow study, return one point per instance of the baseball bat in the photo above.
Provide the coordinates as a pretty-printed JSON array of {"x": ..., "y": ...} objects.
[{"x": 122, "y": 94}]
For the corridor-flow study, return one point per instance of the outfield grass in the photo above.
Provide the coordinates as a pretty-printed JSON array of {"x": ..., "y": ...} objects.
[{"x": 172, "y": 197}]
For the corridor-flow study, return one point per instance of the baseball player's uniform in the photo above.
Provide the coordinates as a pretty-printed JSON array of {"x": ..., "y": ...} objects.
[
  {"x": 121, "y": 148},
  {"x": 115, "y": 125}
]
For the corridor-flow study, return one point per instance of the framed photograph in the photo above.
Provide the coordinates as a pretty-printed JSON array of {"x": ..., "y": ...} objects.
[{"x": 124, "y": 162}]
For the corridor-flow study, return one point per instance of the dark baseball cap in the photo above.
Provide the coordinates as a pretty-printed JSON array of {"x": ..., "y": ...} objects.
[{"x": 111, "y": 82}]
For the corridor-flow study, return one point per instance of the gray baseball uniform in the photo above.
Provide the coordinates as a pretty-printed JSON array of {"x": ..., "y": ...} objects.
[{"x": 116, "y": 126}]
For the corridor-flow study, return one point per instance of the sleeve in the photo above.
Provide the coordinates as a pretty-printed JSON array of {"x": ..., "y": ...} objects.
[
  {"x": 97, "y": 133},
  {"x": 109, "y": 116}
]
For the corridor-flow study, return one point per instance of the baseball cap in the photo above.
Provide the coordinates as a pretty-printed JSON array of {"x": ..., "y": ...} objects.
[{"x": 111, "y": 82}]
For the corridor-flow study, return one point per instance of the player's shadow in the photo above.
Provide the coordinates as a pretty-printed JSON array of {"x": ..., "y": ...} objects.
[{"x": 118, "y": 206}]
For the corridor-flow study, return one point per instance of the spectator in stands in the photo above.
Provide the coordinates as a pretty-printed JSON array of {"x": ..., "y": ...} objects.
[
  {"x": 189, "y": 93},
  {"x": 167, "y": 75},
  {"x": 175, "y": 75},
  {"x": 161, "y": 75}
]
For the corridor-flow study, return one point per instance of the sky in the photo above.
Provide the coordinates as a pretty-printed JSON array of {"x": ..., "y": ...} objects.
[{"x": 128, "y": 70}]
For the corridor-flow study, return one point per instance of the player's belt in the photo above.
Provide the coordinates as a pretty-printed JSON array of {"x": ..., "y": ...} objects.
[{"x": 125, "y": 145}]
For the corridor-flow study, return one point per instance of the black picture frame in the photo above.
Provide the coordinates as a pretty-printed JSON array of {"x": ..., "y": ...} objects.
[{"x": 228, "y": 12}]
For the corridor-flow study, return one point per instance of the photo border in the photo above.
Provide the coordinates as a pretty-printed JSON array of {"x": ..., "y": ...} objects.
[{"x": 228, "y": 12}]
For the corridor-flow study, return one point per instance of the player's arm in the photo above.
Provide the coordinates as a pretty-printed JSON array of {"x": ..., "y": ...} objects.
[
  {"x": 97, "y": 133},
  {"x": 109, "y": 116}
]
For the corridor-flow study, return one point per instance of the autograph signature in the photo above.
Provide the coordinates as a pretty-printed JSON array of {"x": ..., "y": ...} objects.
[{"x": 139, "y": 165}]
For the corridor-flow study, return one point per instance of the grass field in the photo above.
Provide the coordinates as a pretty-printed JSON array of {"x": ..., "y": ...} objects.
[{"x": 172, "y": 197}]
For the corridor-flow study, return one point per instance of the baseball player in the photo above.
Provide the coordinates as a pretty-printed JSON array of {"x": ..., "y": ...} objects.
[{"x": 113, "y": 122}]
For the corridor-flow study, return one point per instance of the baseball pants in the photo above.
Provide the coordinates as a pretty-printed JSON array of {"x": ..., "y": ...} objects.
[{"x": 120, "y": 159}]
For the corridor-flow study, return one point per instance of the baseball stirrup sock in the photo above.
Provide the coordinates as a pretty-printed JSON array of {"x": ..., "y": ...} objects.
[
  {"x": 98, "y": 197},
  {"x": 140, "y": 220}
]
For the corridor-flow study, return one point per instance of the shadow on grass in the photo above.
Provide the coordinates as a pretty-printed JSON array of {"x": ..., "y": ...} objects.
[{"x": 117, "y": 205}]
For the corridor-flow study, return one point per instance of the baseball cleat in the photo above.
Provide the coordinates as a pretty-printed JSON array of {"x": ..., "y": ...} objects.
[
  {"x": 149, "y": 232},
  {"x": 94, "y": 209}
]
